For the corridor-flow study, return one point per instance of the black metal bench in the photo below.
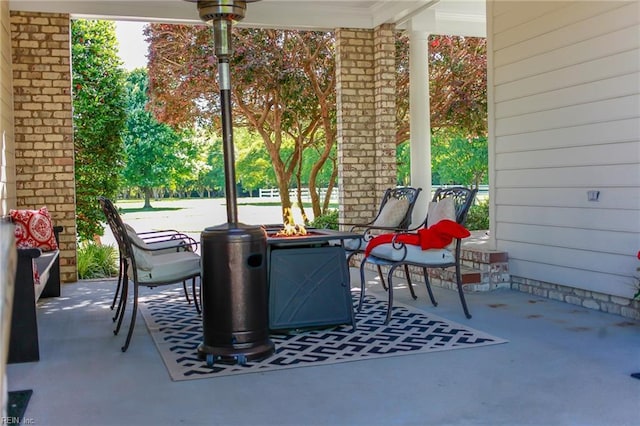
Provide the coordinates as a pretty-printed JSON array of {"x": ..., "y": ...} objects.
[{"x": 23, "y": 343}]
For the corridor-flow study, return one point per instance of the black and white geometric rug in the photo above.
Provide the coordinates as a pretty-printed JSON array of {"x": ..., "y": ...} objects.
[{"x": 176, "y": 329}]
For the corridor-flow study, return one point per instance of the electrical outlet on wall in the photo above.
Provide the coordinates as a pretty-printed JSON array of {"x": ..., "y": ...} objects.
[{"x": 593, "y": 195}]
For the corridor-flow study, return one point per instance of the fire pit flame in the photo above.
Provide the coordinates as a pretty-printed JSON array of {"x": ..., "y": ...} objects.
[{"x": 290, "y": 228}]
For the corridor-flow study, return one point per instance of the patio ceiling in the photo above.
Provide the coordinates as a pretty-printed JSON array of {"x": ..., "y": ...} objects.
[{"x": 453, "y": 17}]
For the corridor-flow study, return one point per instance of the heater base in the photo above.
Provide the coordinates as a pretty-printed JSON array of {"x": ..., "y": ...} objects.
[{"x": 236, "y": 354}]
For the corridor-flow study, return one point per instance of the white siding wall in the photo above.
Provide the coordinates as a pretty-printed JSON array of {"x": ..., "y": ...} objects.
[
  {"x": 565, "y": 96},
  {"x": 7, "y": 153}
]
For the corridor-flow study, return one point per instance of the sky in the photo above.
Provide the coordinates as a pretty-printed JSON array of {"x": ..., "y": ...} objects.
[{"x": 132, "y": 46}]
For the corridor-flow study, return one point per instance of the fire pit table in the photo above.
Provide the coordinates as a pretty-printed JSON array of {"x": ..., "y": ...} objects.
[{"x": 309, "y": 284}]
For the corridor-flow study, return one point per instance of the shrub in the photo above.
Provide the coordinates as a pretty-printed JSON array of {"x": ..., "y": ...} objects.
[
  {"x": 97, "y": 261},
  {"x": 328, "y": 220},
  {"x": 478, "y": 217}
]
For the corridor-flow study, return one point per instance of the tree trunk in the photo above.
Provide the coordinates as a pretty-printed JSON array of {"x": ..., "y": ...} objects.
[
  {"x": 285, "y": 200},
  {"x": 148, "y": 193},
  {"x": 330, "y": 187}
]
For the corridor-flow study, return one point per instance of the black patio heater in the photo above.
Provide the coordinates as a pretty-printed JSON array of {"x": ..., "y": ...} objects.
[{"x": 234, "y": 290}]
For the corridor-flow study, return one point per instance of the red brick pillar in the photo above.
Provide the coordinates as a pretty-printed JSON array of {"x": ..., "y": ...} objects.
[{"x": 43, "y": 123}]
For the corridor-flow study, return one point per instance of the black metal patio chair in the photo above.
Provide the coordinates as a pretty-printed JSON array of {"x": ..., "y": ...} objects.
[
  {"x": 169, "y": 265},
  {"x": 395, "y": 254},
  {"x": 162, "y": 241},
  {"x": 394, "y": 214}
]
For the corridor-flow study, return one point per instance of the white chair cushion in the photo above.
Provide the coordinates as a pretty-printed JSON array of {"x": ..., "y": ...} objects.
[
  {"x": 143, "y": 258},
  {"x": 439, "y": 210},
  {"x": 170, "y": 245},
  {"x": 414, "y": 254},
  {"x": 169, "y": 267},
  {"x": 143, "y": 261},
  {"x": 355, "y": 244},
  {"x": 392, "y": 213},
  {"x": 133, "y": 235}
]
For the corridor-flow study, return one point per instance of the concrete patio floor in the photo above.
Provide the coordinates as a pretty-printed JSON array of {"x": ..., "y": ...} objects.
[{"x": 563, "y": 365}]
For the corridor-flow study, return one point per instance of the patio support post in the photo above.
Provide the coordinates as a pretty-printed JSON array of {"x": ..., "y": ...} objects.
[
  {"x": 420, "y": 127},
  {"x": 8, "y": 198},
  {"x": 365, "y": 101},
  {"x": 43, "y": 123},
  {"x": 385, "y": 108}
]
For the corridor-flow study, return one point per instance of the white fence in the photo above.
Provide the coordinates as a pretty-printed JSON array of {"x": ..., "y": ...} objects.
[
  {"x": 293, "y": 193},
  {"x": 483, "y": 191}
]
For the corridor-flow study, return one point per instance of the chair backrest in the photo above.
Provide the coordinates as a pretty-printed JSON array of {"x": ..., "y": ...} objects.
[
  {"x": 462, "y": 200},
  {"x": 400, "y": 193},
  {"x": 117, "y": 228}
]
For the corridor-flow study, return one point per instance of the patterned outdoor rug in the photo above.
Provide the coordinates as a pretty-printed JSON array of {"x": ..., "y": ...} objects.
[{"x": 176, "y": 329}]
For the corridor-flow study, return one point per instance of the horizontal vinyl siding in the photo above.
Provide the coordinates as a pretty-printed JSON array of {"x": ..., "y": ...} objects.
[
  {"x": 601, "y": 133},
  {"x": 552, "y": 217},
  {"x": 578, "y": 277},
  {"x": 568, "y": 27},
  {"x": 600, "y": 243},
  {"x": 595, "y": 176},
  {"x": 625, "y": 152},
  {"x": 594, "y": 91},
  {"x": 509, "y": 16},
  {"x": 612, "y": 202},
  {"x": 617, "y": 64},
  {"x": 566, "y": 92}
]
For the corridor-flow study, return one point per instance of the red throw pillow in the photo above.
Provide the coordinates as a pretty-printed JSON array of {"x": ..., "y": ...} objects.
[
  {"x": 436, "y": 236},
  {"x": 34, "y": 229}
]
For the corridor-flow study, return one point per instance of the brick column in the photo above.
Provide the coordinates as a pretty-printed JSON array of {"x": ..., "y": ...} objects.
[
  {"x": 43, "y": 123},
  {"x": 385, "y": 107},
  {"x": 365, "y": 89},
  {"x": 7, "y": 152}
]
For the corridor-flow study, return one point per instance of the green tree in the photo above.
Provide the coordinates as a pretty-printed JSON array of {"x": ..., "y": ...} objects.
[
  {"x": 252, "y": 161},
  {"x": 455, "y": 158},
  {"x": 156, "y": 155},
  {"x": 213, "y": 178},
  {"x": 98, "y": 119},
  {"x": 403, "y": 157},
  {"x": 203, "y": 170},
  {"x": 458, "y": 159},
  {"x": 457, "y": 85},
  {"x": 283, "y": 89}
]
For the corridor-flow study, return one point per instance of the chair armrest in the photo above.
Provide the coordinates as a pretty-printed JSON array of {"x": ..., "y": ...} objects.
[
  {"x": 31, "y": 253},
  {"x": 184, "y": 242},
  {"x": 166, "y": 236},
  {"x": 368, "y": 232},
  {"x": 156, "y": 234}
]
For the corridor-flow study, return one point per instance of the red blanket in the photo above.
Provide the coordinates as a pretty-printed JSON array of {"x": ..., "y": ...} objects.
[{"x": 438, "y": 235}]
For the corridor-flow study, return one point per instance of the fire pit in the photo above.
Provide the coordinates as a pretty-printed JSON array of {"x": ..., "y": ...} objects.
[
  {"x": 312, "y": 235},
  {"x": 309, "y": 283}
]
